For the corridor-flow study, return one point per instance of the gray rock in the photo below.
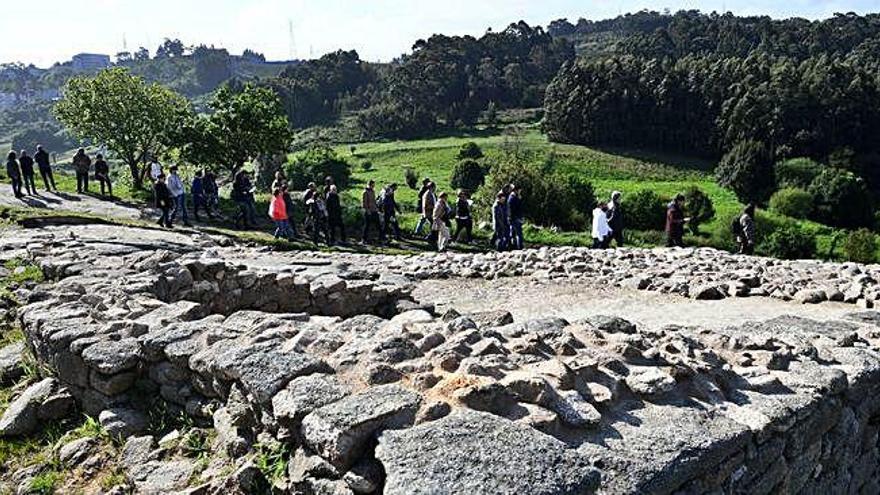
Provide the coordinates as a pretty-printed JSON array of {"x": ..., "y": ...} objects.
[
  {"x": 610, "y": 324},
  {"x": 305, "y": 394},
  {"x": 73, "y": 453},
  {"x": 487, "y": 319},
  {"x": 137, "y": 450},
  {"x": 364, "y": 477},
  {"x": 339, "y": 431},
  {"x": 110, "y": 357},
  {"x": 157, "y": 477},
  {"x": 264, "y": 373},
  {"x": 706, "y": 292},
  {"x": 477, "y": 453},
  {"x": 41, "y": 401},
  {"x": 10, "y": 362},
  {"x": 122, "y": 422},
  {"x": 650, "y": 381},
  {"x": 810, "y": 296}
]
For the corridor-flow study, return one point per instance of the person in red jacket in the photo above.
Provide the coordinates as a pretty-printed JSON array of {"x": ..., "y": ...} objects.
[
  {"x": 675, "y": 221},
  {"x": 278, "y": 213}
]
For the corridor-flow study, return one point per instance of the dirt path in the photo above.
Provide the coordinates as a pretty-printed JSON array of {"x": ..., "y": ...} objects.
[
  {"x": 526, "y": 299},
  {"x": 92, "y": 204}
]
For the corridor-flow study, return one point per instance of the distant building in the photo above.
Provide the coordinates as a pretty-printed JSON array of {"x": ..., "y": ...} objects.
[{"x": 90, "y": 61}]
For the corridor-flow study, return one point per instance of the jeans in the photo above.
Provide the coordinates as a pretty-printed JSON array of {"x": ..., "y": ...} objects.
[
  {"x": 421, "y": 225},
  {"x": 282, "y": 229},
  {"x": 16, "y": 186},
  {"x": 516, "y": 233},
  {"x": 371, "y": 218},
  {"x": 48, "y": 178},
  {"x": 199, "y": 201},
  {"x": 180, "y": 205},
  {"x": 501, "y": 241},
  {"x": 29, "y": 185},
  {"x": 105, "y": 180},
  {"x": 334, "y": 224},
  {"x": 389, "y": 224},
  {"x": 82, "y": 182},
  {"x": 165, "y": 218}
]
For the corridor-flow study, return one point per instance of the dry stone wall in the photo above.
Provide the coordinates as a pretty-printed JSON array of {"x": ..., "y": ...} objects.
[{"x": 374, "y": 393}]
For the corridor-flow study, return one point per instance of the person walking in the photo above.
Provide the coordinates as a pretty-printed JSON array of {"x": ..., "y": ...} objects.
[
  {"x": 602, "y": 232},
  {"x": 212, "y": 193},
  {"x": 199, "y": 198},
  {"x": 440, "y": 219},
  {"x": 675, "y": 221},
  {"x": 178, "y": 195},
  {"x": 747, "y": 235},
  {"x": 27, "y": 173},
  {"x": 318, "y": 212},
  {"x": 288, "y": 203},
  {"x": 82, "y": 164},
  {"x": 280, "y": 180},
  {"x": 371, "y": 211},
  {"x": 515, "y": 217},
  {"x": 102, "y": 174},
  {"x": 614, "y": 211},
  {"x": 278, "y": 214},
  {"x": 243, "y": 196},
  {"x": 155, "y": 169},
  {"x": 42, "y": 159},
  {"x": 307, "y": 196},
  {"x": 334, "y": 216},
  {"x": 463, "y": 220},
  {"x": 420, "y": 205},
  {"x": 390, "y": 209},
  {"x": 500, "y": 226},
  {"x": 163, "y": 201},
  {"x": 13, "y": 171}
]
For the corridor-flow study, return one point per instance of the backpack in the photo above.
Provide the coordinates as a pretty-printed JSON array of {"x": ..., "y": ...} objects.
[{"x": 736, "y": 228}]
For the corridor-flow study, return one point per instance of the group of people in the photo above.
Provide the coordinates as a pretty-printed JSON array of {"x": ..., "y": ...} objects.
[
  {"x": 170, "y": 197},
  {"x": 507, "y": 219},
  {"x": 82, "y": 166},
  {"x": 437, "y": 212},
  {"x": 20, "y": 170}
]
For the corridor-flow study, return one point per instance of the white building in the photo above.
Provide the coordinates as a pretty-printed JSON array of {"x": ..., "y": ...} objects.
[{"x": 90, "y": 61}]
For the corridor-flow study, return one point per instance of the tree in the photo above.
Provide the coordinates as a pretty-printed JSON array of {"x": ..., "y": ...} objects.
[
  {"x": 842, "y": 199},
  {"x": 748, "y": 171},
  {"x": 243, "y": 123},
  {"x": 133, "y": 118},
  {"x": 142, "y": 54},
  {"x": 470, "y": 151},
  {"x": 170, "y": 48},
  {"x": 698, "y": 206},
  {"x": 468, "y": 175}
]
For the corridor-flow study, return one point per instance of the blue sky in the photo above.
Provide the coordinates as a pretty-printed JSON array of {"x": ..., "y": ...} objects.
[{"x": 45, "y": 31}]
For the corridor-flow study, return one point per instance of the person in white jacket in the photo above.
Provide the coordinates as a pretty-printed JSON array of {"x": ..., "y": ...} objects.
[
  {"x": 178, "y": 195},
  {"x": 601, "y": 230}
]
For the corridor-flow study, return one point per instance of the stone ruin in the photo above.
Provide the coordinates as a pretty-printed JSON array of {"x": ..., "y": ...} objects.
[{"x": 374, "y": 392}]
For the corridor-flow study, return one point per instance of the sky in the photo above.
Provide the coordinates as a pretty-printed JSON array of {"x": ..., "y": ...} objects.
[{"x": 45, "y": 31}]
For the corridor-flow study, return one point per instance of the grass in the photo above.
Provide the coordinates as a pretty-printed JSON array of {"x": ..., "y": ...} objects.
[{"x": 271, "y": 459}]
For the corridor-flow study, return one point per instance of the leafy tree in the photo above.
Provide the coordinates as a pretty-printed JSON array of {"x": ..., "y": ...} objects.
[
  {"x": 747, "y": 170},
  {"x": 842, "y": 199},
  {"x": 645, "y": 210},
  {"x": 315, "y": 164},
  {"x": 797, "y": 172},
  {"x": 860, "y": 246},
  {"x": 698, "y": 206},
  {"x": 170, "y": 48},
  {"x": 243, "y": 124},
  {"x": 131, "y": 117},
  {"x": 792, "y": 202},
  {"x": 411, "y": 178},
  {"x": 789, "y": 243},
  {"x": 469, "y": 175},
  {"x": 470, "y": 151},
  {"x": 142, "y": 54}
]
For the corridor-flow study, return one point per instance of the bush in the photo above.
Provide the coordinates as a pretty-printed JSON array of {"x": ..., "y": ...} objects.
[
  {"x": 790, "y": 243},
  {"x": 469, "y": 151},
  {"x": 792, "y": 202},
  {"x": 860, "y": 246},
  {"x": 314, "y": 165},
  {"x": 842, "y": 199},
  {"x": 747, "y": 170},
  {"x": 699, "y": 207},
  {"x": 468, "y": 175},
  {"x": 411, "y": 178},
  {"x": 367, "y": 166},
  {"x": 644, "y": 210},
  {"x": 797, "y": 172}
]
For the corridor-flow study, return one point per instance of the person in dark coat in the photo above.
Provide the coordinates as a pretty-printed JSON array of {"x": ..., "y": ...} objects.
[
  {"x": 748, "y": 232},
  {"x": 82, "y": 164},
  {"x": 243, "y": 195},
  {"x": 463, "y": 220},
  {"x": 515, "y": 218},
  {"x": 390, "y": 209},
  {"x": 27, "y": 172},
  {"x": 163, "y": 201},
  {"x": 13, "y": 171},
  {"x": 614, "y": 213},
  {"x": 334, "y": 215},
  {"x": 212, "y": 193},
  {"x": 199, "y": 197},
  {"x": 42, "y": 159},
  {"x": 289, "y": 204},
  {"x": 102, "y": 174},
  {"x": 675, "y": 221},
  {"x": 500, "y": 225}
]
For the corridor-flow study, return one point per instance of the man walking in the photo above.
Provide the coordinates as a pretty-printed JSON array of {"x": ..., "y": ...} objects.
[
  {"x": 423, "y": 219},
  {"x": 198, "y": 195},
  {"x": 390, "y": 209},
  {"x": 614, "y": 211},
  {"x": 747, "y": 235},
  {"x": 675, "y": 221},
  {"x": 27, "y": 173},
  {"x": 463, "y": 220},
  {"x": 371, "y": 210},
  {"x": 14, "y": 173},
  {"x": 102, "y": 174},
  {"x": 163, "y": 200},
  {"x": 500, "y": 226},
  {"x": 439, "y": 228},
  {"x": 82, "y": 165},
  {"x": 515, "y": 217},
  {"x": 178, "y": 195},
  {"x": 42, "y": 159},
  {"x": 334, "y": 216}
]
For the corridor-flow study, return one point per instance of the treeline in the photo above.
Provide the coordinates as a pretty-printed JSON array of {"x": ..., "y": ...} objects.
[{"x": 446, "y": 81}]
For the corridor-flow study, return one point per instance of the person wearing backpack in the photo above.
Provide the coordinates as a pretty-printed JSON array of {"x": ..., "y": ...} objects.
[{"x": 745, "y": 231}]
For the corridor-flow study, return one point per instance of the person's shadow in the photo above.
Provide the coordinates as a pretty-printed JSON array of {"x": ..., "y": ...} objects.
[{"x": 68, "y": 197}]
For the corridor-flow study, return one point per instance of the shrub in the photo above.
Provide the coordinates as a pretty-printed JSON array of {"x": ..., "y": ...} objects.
[
  {"x": 411, "y": 178},
  {"x": 792, "y": 202},
  {"x": 582, "y": 197},
  {"x": 468, "y": 175},
  {"x": 367, "y": 166},
  {"x": 765, "y": 226},
  {"x": 790, "y": 243},
  {"x": 860, "y": 246},
  {"x": 797, "y": 172},
  {"x": 315, "y": 164},
  {"x": 842, "y": 199},
  {"x": 469, "y": 151},
  {"x": 747, "y": 170},
  {"x": 644, "y": 210},
  {"x": 699, "y": 207}
]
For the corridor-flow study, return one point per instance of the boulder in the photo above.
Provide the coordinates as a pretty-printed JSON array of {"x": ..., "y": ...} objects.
[
  {"x": 650, "y": 381},
  {"x": 10, "y": 362},
  {"x": 478, "y": 453},
  {"x": 123, "y": 422},
  {"x": 305, "y": 394},
  {"x": 73, "y": 453},
  {"x": 44, "y": 400}
]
